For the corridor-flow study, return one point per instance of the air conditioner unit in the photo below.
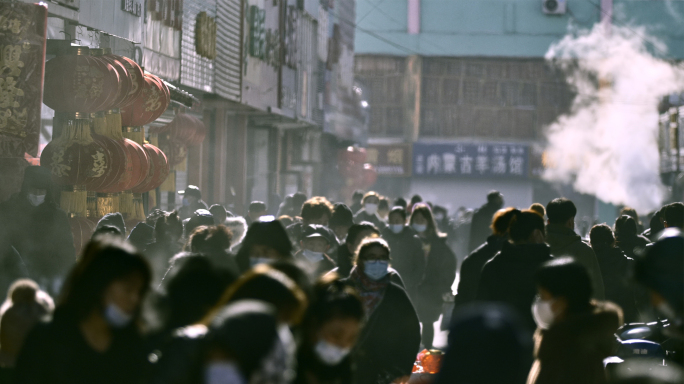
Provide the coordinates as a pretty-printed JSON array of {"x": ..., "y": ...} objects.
[{"x": 554, "y": 7}]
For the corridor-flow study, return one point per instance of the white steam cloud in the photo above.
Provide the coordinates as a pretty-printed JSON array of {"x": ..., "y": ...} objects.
[{"x": 607, "y": 145}]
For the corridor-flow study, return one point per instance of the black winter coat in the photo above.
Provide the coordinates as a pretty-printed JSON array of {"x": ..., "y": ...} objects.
[
  {"x": 509, "y": 278},
  {"x": 407, "y": 257},
  {"x": 310, "y": 370},
  {"x": 616, "y": 268},
  {"x": 389, "y": 342},
  {"x": 58, "y": 353},
  {"x": 480, "y": 226},
  {"x": 345, "y": 261},
  {"x": 40, "y": 235},
  {"x": 471, "y": 269},
  {"x": 440, "y": 272}
]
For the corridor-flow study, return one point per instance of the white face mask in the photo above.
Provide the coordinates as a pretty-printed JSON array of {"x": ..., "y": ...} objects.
[
  {"x": 371, "y": 208},
  {"x": 313, "y": 257},
  {"x": 396, "y": 228},
  {"x": 223, "y": 373},
  {"x": 36, "y": 200},
  {"x": 420, "y": 228},
  {"x": 439, "y": 217},
  {"x": 116, "y": 317},
  {"x": 542, "y": 313},
  {"x": 330, "y": 354}
]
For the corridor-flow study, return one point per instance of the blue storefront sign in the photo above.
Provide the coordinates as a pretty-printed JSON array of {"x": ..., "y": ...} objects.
[{"x": 476, "y": 160}]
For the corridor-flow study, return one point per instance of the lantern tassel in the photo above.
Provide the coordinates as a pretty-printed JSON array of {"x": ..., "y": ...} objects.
[
  {"x": 138, "y": 208},
  {"x": 107, "y": 203},
  {"x": 126, "y": 204},
  {"x": 99, "y": 123},
  {"x": 75, "y": 201},
  {"x": 113, "y": 117},
  {"x": 92, "y": 205}
]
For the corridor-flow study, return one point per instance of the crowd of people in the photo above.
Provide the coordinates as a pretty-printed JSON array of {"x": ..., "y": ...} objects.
[{"x": 330, "y": 293}]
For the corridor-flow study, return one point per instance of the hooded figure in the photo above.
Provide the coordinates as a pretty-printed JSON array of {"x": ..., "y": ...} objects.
[
  {"x": 32, "y": 223},
  {"x": 113, "y": 219}
]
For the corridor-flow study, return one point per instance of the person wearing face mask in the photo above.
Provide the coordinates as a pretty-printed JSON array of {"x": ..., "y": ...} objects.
[
  {"x": 332, "y": 325},
  {"x": 346, "y": 252},
  {"x": 508, "y": 277},
  {"x": 369, "y": 212},
  {"x": 407, "y": 250},
  {"x": 315, "y": 243},
  {"x": 192, "y": 201},
  {"x": 35, "y": 233},
  {"x": 265, "y": 242},
  {"x": 387, "y": 347},
  {"x": 575, "y": 333},
  {"x": 316, "y": 210},
  {"x": 94, "y": 336},
  {"x": 440, "y": 270}
]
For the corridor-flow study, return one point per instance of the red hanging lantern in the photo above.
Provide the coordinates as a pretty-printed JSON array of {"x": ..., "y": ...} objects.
[
  {"x": 82, "y": 228},
  {"x": 199, "y": 132},
  {"x": 181, "y": 128},
  {"x": 117, "y": 164},
  {"x": 159, "y": 170},
  {"x": 135, "y": 74},
  {"x": 125, "y": 82},
  {"x": 148, "y": 106},
  {"x": 137, "y": 167},
  {"x": 74, "y": 158},
  {"x": 78, "y": 82},
  {"x": 175, "y": 151}
]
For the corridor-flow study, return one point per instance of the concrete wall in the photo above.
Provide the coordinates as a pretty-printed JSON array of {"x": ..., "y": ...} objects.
[{"x": 513, "y": 28}]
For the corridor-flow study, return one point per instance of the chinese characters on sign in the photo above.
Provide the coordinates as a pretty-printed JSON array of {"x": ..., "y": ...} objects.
[
  {"x": 205, "y": 36},
  {"x": 471, "y": 160},
  {"x": 22, "y": 62},
  {"x": 390, "y": 159}
]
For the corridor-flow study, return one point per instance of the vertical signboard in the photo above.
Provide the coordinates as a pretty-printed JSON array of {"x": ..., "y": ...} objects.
[{"x": 22, "y": 64}]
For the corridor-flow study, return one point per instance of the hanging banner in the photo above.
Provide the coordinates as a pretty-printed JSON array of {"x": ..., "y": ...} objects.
[
  {"x": 475, "y": 160},
  {"x": 22, "y": 65}
]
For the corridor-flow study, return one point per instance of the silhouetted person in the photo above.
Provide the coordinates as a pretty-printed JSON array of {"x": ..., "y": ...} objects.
[
  {"x": 471, "y": 268},
  {"x": 34, "y": 228},
  {"x": 561, "y": 237},
  {"x": 508, "y": 277},
  {"x": 482, "y": 219},
  {"x": 192, "y": 201}
]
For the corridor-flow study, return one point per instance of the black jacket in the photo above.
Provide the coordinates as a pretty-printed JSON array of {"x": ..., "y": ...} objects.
[
  {"x": 57, "y": 353},
  {"x": 40, "y": 235},
  {"x": 310, "y": 370},
  {"x": 509, "y": 278},
  {"x": 407, "y": 257},
  {"x": 440, "y": 272},
  {"x": 629, "y": 243},
  {"x": 616, "y": 268},
  {"x": 471, "y": 269},
  {"x": 345, "y": 261},
  {"x": 480, "y": 226},
  {"x": 389, "y": 342}
]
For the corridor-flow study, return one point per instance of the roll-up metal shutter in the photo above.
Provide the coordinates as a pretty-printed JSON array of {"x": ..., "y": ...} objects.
[
  {"x": 196, "y": 71},
  {"x": 228, "y": 49}
]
